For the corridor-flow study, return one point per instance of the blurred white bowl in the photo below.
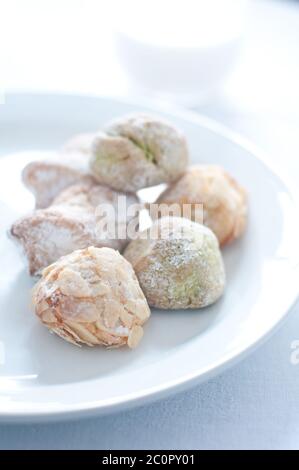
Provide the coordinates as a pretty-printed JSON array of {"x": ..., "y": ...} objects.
[{"x": 181, "y": 49}]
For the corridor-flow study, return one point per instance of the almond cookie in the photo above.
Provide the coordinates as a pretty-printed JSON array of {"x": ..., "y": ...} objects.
[
  {"x": 47, "y": 178},
  {"x": 178, "y": 264},
  {"x": 92, "y": 297},
  {"x": 138, "y": 151},
  {"x": 223, "y": 200},
  {"x": 76, "y": 219}
]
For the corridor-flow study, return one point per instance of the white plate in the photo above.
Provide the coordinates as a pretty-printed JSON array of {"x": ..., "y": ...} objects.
[{"x": 42, "y": 377}]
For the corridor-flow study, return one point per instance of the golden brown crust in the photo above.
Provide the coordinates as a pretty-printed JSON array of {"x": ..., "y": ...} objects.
[
  {"x": 92, "y": 297},
  {"x": 224, "y": 200}
]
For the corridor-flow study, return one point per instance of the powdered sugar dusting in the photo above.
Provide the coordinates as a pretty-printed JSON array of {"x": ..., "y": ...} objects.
[
  {"x": 138, "y": 151},
  {"x": 183, "y": 270}
]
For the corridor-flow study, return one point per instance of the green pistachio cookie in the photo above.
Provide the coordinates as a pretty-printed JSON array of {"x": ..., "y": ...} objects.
[
  {"x": 138, "y": 151},
  {"x": 178, "y": 264}
]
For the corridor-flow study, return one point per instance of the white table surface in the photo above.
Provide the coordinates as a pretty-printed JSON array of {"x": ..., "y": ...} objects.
[{"x": 255, "y": 404}]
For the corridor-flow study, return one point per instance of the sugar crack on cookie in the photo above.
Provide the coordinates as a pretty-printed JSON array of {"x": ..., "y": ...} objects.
[{"x": 138, "y": 151}]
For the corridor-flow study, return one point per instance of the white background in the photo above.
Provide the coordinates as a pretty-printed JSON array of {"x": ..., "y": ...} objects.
[{"x": 59, "y": 45}]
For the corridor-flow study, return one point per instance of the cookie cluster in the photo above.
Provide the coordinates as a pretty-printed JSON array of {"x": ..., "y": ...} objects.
[{"x": 88, "y": 292}]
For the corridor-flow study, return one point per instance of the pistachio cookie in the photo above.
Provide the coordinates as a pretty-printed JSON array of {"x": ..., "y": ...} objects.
[
  {"x": 178, "y": 264},
  {"x": 138, "y": 151}
]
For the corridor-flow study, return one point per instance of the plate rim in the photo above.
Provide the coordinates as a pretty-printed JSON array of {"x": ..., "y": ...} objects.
[{"x": 146, "y": 395}]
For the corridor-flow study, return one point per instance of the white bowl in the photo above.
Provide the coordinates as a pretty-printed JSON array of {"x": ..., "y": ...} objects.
[
  {"x": 184, "y": 75},
  {"x": 179, "y": 49}
]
